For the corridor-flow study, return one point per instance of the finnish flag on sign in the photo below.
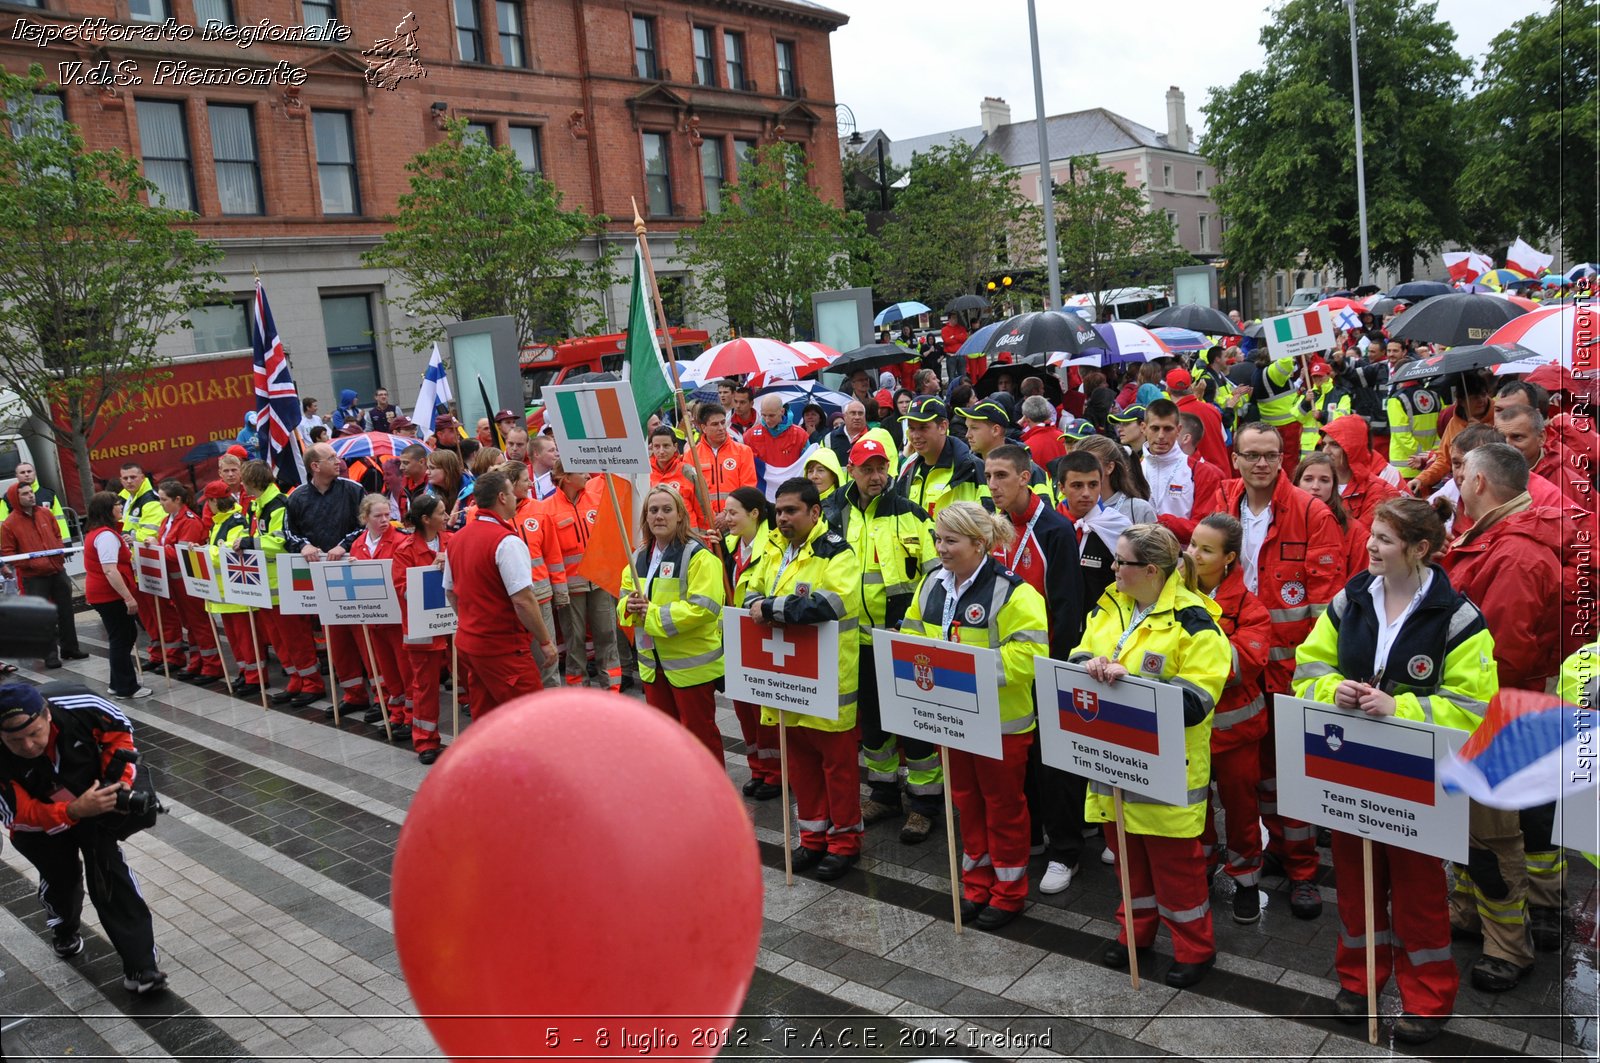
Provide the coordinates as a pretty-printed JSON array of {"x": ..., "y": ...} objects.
[{"x": 356, "y": 592}]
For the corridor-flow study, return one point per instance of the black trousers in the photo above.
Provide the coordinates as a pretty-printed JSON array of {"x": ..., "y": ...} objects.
[
  {"x": 112, "y": 889},
  {"x": 122, "y": 633},
  {"x": 1055, "y": 801},
  {"x": 56, "y": 588},
  {"x": 869, "y": 718}
]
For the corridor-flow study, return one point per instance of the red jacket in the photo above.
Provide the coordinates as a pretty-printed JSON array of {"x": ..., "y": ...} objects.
[
  {"x": 676, "y": 477},
  {"x": 1044, "y": 443},
  {"x": 184, "y": 526},
  {"x": 489, "y": 621},
  {"x": 1214, "y": 444},
  {"x": 26, "y": 533},
  {"x": 1508, "y": 572},
  {"x": 413, "y": 552},
  {"x": 779, "y": 450},
  {"x": 1365, "y": 491},
  {"x": 1242, "y": 711},
  {"x": 1355, "y": 548}
]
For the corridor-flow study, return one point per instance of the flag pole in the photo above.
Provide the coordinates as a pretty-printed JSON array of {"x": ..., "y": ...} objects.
[
  {"x": 222, "y": 658},
  {"x": 1127, "y": 887},
  {"x": 261, "y": 664},
  {"x": 455, "y": 690},
  {"x": 627, "y": 540},
  {"x": 489, "y": 411},
  {"x": 950, "y": 838},
  {"x": 161, "y": 638},
  {"x": 1372, "y": 947},
  {"x": 335, "y": 694},
  {"x": 783, "y": 781},
  {"x": 377, "y": 682}
]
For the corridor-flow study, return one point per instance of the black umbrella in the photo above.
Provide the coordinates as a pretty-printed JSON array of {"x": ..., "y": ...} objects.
[
  {"x": 1206, "y": 320},
  {"x": 1460, "y": 360},
  {"x": 966, "y": 302},
  {"x": 1412, "y": 291},
  {"x": 1256, "y": 330},
  {"x": 989, "y": 382},
  {"x": 1367, "y": 289},
  {"x": 872, "y": 356},
  {"x": 1042, "y": 333},
  {"x": 1386, "y": 306},
  {"x": 1455, "y": 319}
]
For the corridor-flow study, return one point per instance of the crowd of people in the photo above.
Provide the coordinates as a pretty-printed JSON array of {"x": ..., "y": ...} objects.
[{"x": 1235, "y": 525}]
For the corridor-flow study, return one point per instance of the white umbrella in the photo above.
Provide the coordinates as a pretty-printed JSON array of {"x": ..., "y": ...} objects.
[{"x": 744, "y": 356}]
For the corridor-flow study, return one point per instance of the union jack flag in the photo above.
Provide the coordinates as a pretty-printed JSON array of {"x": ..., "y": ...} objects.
[
  {"x": 240, "y": 572},
  {"x": 277, "y": 401}
]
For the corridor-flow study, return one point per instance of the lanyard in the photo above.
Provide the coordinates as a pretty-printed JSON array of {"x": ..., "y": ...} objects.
[
  {"x": 1138, "y": 618},
  {"x": 789, "y": 554},
  {"x": 1024, "y": 539}
]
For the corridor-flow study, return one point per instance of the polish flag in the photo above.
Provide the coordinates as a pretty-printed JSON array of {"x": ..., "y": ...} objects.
[
  {"x": 1525, "y": 259},
  {"x": 1465, "y": 265}
]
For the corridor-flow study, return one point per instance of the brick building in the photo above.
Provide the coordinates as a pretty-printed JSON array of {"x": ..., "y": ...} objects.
[{"x": 292, "y": 157}]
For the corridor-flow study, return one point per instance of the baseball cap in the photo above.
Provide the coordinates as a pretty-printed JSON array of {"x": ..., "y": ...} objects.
[
  {"x": 1078, "y": 430},
  {"x": 1179, "y": 379},
  {"x": 239, "y": 452},
  {"x": 400, "y": 422},
  {"x": 216, "y": 489},
  {"x": 505, "y": 415},
  {"x": 19, "y": 704},
  {"x": 884, "y": 398},
  {"x": 865, "y": 450},
  {"x": 927, "y": 408},
  {"x": 988, "y": 411},
  {"x": 444, "y": 420},
  {"x": 351, "y": 429},
  {"x": 1132, "y": 413},
  {"x": 1320, "y": 367}
]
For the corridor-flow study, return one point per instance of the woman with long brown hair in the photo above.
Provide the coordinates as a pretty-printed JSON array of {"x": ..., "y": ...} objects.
[{"x": 1315, "y": 475}]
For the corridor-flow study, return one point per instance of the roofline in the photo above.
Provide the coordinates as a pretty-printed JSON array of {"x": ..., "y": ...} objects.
[{"x": 822, "y": 16}]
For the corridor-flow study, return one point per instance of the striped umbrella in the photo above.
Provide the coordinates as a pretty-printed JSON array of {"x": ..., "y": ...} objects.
[
  {"x": 378, "y": 445},
  {"x": 1497, "y": 279},
  {"x": 1181, "y": 339},
  {"x": 1566, "y": 335},
  {"x": 1120, "y": 341},
  {"x": 818, "y": 357},
  {"x": 742, "y": 357}
]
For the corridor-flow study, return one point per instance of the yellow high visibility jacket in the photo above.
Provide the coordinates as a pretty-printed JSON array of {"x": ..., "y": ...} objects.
[
  {"x": 681, "y": 634},
  {"x": 141, "y": 512},
  {"x": 1177, "y": 642},
  {"x": 267, "y": 518},
  {"x": 1413, "y": 412},
  {"x": 1278, "y": 403},
  {"x": 893, "y": 543},
  {"x": 1580, "y": 678},
  {"x": 226, "y": 530},
  {"x": 1323, "y": 403}
]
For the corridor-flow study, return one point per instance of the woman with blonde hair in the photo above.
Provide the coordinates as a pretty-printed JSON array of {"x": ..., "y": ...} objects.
[
  {"x": 484, "y": 459},
  {"x": 380, "y": 645},
  {"x": 1156, "y": 624},
  {"x": 973, "y": 600},
  {"x": 677, "y": 614}
]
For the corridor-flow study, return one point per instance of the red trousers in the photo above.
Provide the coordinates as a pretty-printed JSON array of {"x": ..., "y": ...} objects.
[
  {"x": 694, "y": 706},
  {"x": 498, "y": 674},
  {"x": 294, "y": 641},
  {"x": 425, "y": 668},
  {"x": 170, "y": 628},
  {"x": 1167, "y": 879},
  {"x": 345, "y": 655},
  {"x": 994, "y": 822},
  {"x": 148, "y": 621},
  {"x": 760, "y": 742},
  {"x": 1236, "y": 774},
  {"x": 240, "y": 640},
  {"x": 1290, "y": 434},
  {"x": 1292, "y": 842},
  {"x": 827, "y": 789},
  {"x": 383, "y": 656},
  {"x": 1411, "y": 910},
  {"x": 203, "y": 656}
]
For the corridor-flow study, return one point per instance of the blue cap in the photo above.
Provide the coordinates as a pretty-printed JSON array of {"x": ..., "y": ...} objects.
[{"x": 19, "y": 704}]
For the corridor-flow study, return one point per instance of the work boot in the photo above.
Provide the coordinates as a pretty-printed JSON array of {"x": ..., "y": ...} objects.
[
  {"x": 1494, "y": 975},
  {"x": 1417, "y": 1029},
  {"x": 1348, "y": 1007},
  {"x": 876, "y": 812},
  {"x": 1246, "y": 904},
  {"x": 1305, "y": 900},
  {"x": 916, "y": 829}
]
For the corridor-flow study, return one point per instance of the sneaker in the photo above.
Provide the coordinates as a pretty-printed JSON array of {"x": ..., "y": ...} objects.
[
  {"x": 1107, "y": 856},
  {"x": 1417, "y": 1029},
  {"x": 142, "y": 692},
  {"x": 1305, "y": 900},
  {"x": 1545, "y": 925},
  {"x": 1246, "y": 904},
  {"x": 68, "y": 945},
  {"x": 876, "y": 812},
  {"x": 916, "y": 829},
  {"x": 1057, "y": 877},
  {"x": 1349, "y": 1008},
  {"x": 150, "y": 981}
]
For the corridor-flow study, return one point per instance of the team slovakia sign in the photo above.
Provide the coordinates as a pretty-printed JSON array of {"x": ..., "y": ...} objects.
[
  {"x": 297, "y": 592},
  {"x": 1372, "y": 776},
  {"x": 597, "y": 428},
  {"x": 1128, "y": 733},
  {"x": 793, "y": 667},
  {"x": 940, "y": 692},
  {"x": 356, "y": 592},
  {"x": 151, "y": 563},
  {"x": 1302, "y": 332},
  {"x": 244, "y": 578},
  {"x": 428, "y": 611}
]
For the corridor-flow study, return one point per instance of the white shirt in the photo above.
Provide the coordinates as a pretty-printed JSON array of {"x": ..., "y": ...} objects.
[
  {"x": 106, "y": 549},
  {"x": 952, "y": 594},
  {"x": 1171, "y": 482},
  {"x": 308, "y": 421},
  {"x": 1387, "y": 632},
  {"x": 1255, "y": 534},
  {"x": 511, "y": 557}
]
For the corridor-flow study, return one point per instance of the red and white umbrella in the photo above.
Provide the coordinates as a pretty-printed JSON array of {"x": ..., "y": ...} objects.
[
  {"x": 1565, "y": 335},
  {"x": 1336, "y": 303},
  {"x": 744, "y": 356},
  {"x": 818, "y": 357}
]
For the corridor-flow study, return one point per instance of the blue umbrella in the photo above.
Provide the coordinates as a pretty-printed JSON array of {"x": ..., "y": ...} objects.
[
  {"x": 801, "y": 392},
  {"x": 978, "y": 340},
  {"x": 1414, "y": 291},
  {"x": 1182, "y": 339},
  {"x": 900, "y": 310},
  {"x": 1588, "y": 269}
]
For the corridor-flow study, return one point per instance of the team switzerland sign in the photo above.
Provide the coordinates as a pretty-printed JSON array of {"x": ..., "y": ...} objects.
[{"x": 793, "y": 667}]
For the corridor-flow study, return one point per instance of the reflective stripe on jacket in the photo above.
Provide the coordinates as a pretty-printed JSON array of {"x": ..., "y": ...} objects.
[{"x": 681, "y": 633}]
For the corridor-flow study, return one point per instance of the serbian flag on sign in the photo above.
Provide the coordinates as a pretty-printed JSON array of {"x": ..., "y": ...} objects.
[
  {"x": 920, "y": 670},
  {"x": 1531, "y": 749},
  {"x": 790, "y": 649},
  {"x": 1384, "y": 758},
  {"x": 1092, "y": 715}
]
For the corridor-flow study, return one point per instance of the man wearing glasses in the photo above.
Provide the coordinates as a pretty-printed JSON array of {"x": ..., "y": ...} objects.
[{"x": 321, "y": 513}]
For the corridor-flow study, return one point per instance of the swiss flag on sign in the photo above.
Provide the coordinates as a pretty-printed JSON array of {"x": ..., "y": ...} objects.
[{"x": 790, "y": 650}]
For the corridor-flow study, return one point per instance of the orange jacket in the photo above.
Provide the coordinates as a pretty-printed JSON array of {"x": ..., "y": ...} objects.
[
  {"x": 535, "y": 528},
  {"x": 728, "y": 468},
  {"x": 569, "y": 525},
  {"x": 676, "y": 477}
]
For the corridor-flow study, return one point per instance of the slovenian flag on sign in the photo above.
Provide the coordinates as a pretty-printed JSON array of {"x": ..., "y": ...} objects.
[
  {"x": 1384, "y": 758},
  {"x": 1530, "y": 750},
  {"x": 1297, "y": 326},
  {"x": 591, "y": 414},
  {"x": 1092, "y": 715},
  {"x": 920, "y": 669}
]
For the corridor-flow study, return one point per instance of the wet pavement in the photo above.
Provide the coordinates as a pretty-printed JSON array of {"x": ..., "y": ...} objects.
[{"x": 269, "y": 882}]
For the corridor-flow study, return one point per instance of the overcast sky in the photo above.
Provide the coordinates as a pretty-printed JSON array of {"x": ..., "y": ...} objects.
[{"x": 914, "y": 67}]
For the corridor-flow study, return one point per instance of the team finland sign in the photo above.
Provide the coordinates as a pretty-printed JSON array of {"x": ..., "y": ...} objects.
[
  {"x": 794, "y": 667},
  {"x": 1128, "y": 733},
  {"x": 938, "y": 692},
  {"x": 1375, "y": 777},
  {"x": 356, "y": 592}
]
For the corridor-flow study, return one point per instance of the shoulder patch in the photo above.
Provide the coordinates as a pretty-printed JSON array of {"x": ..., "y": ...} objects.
[{"x": 1195, "y": 619}]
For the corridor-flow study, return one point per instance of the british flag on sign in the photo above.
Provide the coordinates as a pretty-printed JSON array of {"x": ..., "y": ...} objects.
[{"x": 277, "y": 401}]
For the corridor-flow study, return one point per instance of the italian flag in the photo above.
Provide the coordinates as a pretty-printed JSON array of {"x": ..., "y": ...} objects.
[
  {"x": 1297, "y": 326},
  {"x": 591, "y": 414}
]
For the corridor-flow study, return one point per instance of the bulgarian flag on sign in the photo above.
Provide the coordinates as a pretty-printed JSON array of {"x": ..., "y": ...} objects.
[{"x": 1297, "y": 326}]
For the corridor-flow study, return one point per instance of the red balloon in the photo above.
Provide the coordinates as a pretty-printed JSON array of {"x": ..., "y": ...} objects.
[{"x": 577, "y": 877}]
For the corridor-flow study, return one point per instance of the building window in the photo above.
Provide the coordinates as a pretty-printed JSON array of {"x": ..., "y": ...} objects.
[
  {"x": 209, "y": 11},
  {"x": 1205, "y": 232},
  {"x": 233, "y": 148},
  {"x": 47, "y": 107},
  {"x": 744, "y": 154},
  {"x": 711, "y": 173},
  {"x": 352, "y": 351},
  {"x": 1166, "y": 176},
  {"x": 28, "y": 3},
  {"x": 317, "y": 12},
  {"x": 733, "y": 56},
  {"x": 525, "y": 145},
  {"x": 705, "y": 57},
  {"x": 336, "y": 162},
  {"x": 1277, "y": 283},
  {"x": 164, "y": 139},
  {"x": 1199, "y": 180},
  {"x": 508, "y": 17},
  {"x": 787, "y": 86},
  {"x": 657, "y": 175},
  {"x": 224, "y": 327},
  {"x": 644, "y": 47},
  {"x": 482, "y": 132},
  {"x": 1172, "y": 220},
  {"x": 469, "y": 34},
  {"x": 148, "y": 10}
]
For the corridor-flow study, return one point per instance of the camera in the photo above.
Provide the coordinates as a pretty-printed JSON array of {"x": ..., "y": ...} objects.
[{"x": 129, "y": 802}]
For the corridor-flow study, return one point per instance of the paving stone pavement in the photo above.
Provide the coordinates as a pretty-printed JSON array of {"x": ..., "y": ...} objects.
[{"x": 269, "y": 885}]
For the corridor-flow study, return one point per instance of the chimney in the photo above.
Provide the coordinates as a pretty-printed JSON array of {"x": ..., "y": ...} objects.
[
  {"x": 993, "y": 112},
  {"x": 1177, "y": 121}
]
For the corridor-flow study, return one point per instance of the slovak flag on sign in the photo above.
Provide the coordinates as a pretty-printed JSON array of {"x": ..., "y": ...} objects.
[
  {"x": 779, "y": 649},
  {"x": 1086, "y": 713}
]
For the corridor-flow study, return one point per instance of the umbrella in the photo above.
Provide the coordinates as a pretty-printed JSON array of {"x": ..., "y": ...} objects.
[
  {"x": 1525, "y": 282},
  {"x": 1385, "y": 306},
  {"x": 1120, "y": 341},
  {"x": 818, "y": 357},
  {"x": 1454, "y": 319},
  {"x": 1457, "y": 360},
  {"x": 745, "y": 356},
  {"x": 1335, "y": 303},
  {"x": 966, "y": 302},
  {"x": 803, "y": 391},
  {"x": 1566, "y": 335},
  {"x": 1498, "y": 279},
  {"x": 989, "y": 383},
  {"x": 1181, "y": 339},
  {"x": 1192, "y": 316},
  {"x": 872, "y": 356},
  {"x": 1516, "y": 300},
  {"x": 1415, "y": 291},
  {"x": 1043, "y": 332},
  {"x": 978, "y": 340},
  {"x": 214, "y": 448},
  {"x": 373, "y": 445},
  {"x": 1553, "y": 280},
  {"x": 1587, "y": 269},
  {"x": 1365, "y": 290},
  {"x": 889, "y": 315},
  {"x": 1256, "y": 330}
]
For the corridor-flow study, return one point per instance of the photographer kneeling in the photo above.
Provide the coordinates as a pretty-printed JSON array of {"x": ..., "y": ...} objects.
[{"x": 70, "y": 783}]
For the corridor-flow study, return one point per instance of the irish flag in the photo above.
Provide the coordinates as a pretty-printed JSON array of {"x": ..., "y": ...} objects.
[
  {"x": 595, "y": 414},
  {"x": 1297, "y": 326}
]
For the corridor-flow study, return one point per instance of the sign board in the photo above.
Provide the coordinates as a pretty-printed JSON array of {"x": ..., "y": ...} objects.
[
  {"x": 150, "y": 567},
  {"x": 940, "y": 692},
  {"x": 597, "y": 428},
  {"x": 793, "y": 667},
  {"x": 356, "y": 592},
  {"x": 297, "y": 593},
  {"x": 195, "y": 564},
  {"x": 1371, "y": 776},
  {"x": 1304, "y": 332},
  {"x": 843, "y": 317},
  {"x": 484, "y": 349},
  {"x": 244, "y": 578},
  {"x": 1578, "y": 821},
  {"x": 1128, "y": 733},
  {"x": 1195, "y": 284},
  {"x": 428, "y": 612}
]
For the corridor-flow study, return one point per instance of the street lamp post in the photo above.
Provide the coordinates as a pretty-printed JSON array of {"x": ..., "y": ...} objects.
[
  {"x": 1361, "y": 169},
  {"x": 1046, "y": 183}
]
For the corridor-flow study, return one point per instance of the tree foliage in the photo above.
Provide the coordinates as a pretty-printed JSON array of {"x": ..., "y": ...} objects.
[
  {"x": 1283, "y": 140},
  {"x": 1534, "y": 129},
  {"x": 958, "y": 222},
  {"x": 861, "y": 185},
  {"x": 94, "y": 275},
  {"x": 477, "y": 237},
  {"x": 775, "y": 242},
  {"x": 1106, "y": 234}
]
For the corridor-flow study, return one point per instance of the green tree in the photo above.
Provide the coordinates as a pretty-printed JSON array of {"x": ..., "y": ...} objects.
[
  {"x": 1106, "y": 234},
  {"x": 1283, "y": 139},
  {"x": 861, "y": 182},
  {"x": 477, "y": 237},
  {"x": 958, "y": 222},
  {"x": 94, "y": 275},
  {"x": 775, "y": 242},
  {"x": 1532, "y": 146}
]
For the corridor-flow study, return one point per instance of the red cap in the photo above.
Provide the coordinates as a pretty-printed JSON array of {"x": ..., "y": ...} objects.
[
  {"x": 884, "y": 398},
  {"x": 216, "y": 489},
  {"x": 506, "y": 415},
  {"x": 865, "y": 450},
  {"x": 1179, "y": 380},
  {"x": 1320, "y": 367},
  {"x": 239, "y": 452}
]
